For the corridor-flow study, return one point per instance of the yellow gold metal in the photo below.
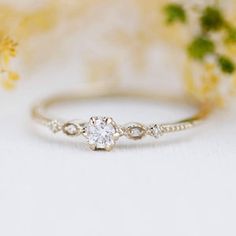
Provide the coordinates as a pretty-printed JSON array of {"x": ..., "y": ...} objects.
[{"x": 134, "y": 130}]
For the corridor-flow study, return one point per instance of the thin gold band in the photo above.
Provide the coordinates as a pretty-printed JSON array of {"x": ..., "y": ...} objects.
[{"x": 91, "y": 129}]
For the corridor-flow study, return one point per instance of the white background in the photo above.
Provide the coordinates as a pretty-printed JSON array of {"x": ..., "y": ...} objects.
[{"x": 183, "y": 184}]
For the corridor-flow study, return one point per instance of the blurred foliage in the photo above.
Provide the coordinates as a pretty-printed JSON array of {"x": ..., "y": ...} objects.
[
  {"x": 201, "y": 47},
  {"x": 211, "y": 19},
  {"x": 175, "y": 12},
  {"x": 205, "y": 31},
  {"x": 210, "y": 50}
]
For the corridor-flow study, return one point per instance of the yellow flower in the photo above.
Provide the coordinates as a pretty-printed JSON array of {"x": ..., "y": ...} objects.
[
  {"x": 8, "y": 79},
  {"x": 7, "y": 50}
]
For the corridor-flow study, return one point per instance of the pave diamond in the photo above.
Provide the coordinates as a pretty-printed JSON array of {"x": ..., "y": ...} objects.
[{"x": 101, "y": 133}]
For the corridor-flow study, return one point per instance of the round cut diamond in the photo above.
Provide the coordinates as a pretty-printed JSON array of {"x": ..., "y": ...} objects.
[{"x": 101, "y": 133}]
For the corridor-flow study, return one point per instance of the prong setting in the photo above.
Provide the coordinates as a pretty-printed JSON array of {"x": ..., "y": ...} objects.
[{"x": 102, "y": 133}]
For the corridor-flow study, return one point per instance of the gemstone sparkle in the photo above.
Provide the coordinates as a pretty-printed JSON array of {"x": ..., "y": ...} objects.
[{"x": 101, "y": 132}]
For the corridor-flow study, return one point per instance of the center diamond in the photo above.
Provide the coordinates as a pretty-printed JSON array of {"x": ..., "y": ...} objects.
[{"x": 102, "y": 133}]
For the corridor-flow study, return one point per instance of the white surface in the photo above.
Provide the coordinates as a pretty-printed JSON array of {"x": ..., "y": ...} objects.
[{"x": 182, "y": 185}]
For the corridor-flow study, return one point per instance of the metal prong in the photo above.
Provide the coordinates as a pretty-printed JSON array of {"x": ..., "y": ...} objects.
[
  {"x": 109, "y": 148},
  {"x": 93, "y": 147}
]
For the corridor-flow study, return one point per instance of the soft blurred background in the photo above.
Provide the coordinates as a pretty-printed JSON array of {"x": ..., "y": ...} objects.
[
  {"x": 120, "y": 43},
  {"x": 89, "y": 41}
]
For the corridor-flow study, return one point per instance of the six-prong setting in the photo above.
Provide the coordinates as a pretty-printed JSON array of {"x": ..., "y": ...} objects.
[{"x": 102, "y": 133}]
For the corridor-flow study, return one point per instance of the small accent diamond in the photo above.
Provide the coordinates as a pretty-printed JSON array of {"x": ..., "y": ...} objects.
[
  {"x": 55, "y": 126},
  {"x": 156, "y": 131}
]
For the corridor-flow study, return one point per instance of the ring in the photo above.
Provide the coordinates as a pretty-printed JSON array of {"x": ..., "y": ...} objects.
[{"x": 102, "y": 133}]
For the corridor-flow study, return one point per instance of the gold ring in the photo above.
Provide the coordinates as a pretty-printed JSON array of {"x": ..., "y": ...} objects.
[{"x": 102, "y": 133}]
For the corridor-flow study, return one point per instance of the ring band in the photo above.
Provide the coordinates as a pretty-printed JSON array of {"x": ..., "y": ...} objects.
[{"x": 102, "y": 133}]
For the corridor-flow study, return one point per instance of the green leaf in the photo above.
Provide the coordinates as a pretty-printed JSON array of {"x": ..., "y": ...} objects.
[
  {"x": 226, "y": 64},
  {"x": 212, "y": 19},
  {"x": 175, "y": 13},
  {"x": 200, "y": 47},
  {"x": 231, "y": 35}
]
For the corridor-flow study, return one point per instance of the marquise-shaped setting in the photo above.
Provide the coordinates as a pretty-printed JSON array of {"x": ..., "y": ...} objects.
[
  {"x": 71, "y": 129},
  {"x": 135, "y": 131}
]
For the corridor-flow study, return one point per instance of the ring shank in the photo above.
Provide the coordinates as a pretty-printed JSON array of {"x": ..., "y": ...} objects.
[{"x": 39, "y": 112}]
